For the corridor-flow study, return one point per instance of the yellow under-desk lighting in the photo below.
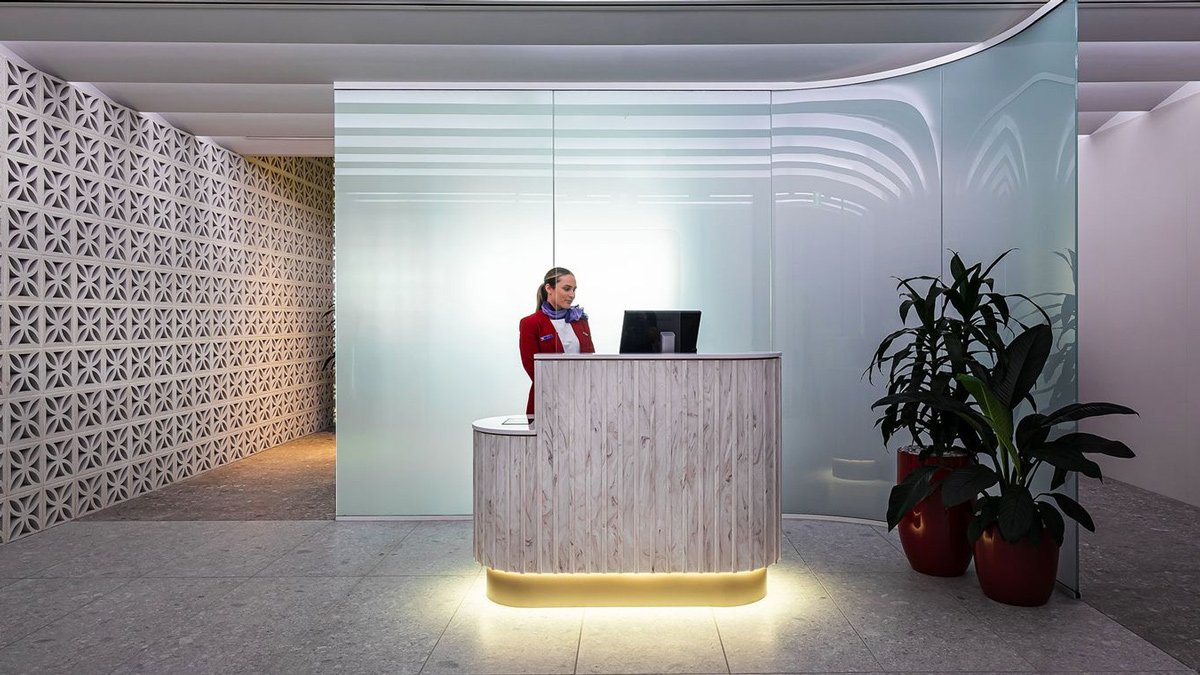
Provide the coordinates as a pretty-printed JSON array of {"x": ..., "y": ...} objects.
[{"x": 725, "y": 589}]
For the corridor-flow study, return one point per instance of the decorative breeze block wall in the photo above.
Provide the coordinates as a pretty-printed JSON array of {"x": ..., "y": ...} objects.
[{"x": 162, "y": 302}]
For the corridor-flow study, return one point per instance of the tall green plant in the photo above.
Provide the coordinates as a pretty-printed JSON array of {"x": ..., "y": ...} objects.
[
  {"x": 1019, "y": 450},
  {"x": 949, "y": 329}
]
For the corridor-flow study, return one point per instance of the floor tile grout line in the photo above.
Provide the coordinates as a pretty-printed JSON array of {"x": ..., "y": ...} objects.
[
  {"x": 721, "y": 640},
  {"x": 579, "y": 640},
  {"x": 383, "y": 556},
  {"x": 887, "y": 539},
  {"x": 6, "y": 645},
  {"x": 187, "y": 623},
  {"x": 438, "y": 641},
  {"x": 817, "y": 578},
  {"x": 295, "y": 546}
]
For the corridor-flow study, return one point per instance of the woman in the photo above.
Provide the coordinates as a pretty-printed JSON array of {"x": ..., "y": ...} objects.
[{"x": 556, "y": 327}]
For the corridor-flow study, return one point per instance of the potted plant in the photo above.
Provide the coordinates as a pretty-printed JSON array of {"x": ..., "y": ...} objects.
[
  {"x": 1016, "y": 534},
  {"x": 949, "y": 330}
]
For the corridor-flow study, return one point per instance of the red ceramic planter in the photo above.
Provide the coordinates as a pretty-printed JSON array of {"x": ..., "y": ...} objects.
[
  {"x": 934, "y": 537},
  {"x": 1016, "y": 574}
]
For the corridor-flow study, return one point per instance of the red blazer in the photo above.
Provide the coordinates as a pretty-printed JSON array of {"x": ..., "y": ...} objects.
[{"x": 538, "y": 336}]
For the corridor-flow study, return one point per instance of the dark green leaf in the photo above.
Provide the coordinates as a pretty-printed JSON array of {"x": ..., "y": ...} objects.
[
  {"x": 916, "y": 486},
  {"x": 1071, "y": 460},
  {"x": 1015, "y": 513},
  {"x": 983, "y": 518},
  {"x": 1079, "y": 411},
  {"x": 1053, "y": 521},
  {"x": 1073, "y": 510},
  {"x": 995, "y": 262},
  {"x": 1085, "y": 442},
  {"x": 965, "y": 483},
  {"x": 1025, "y": 358},
  {"x": 1060, "y": 479},
  {"x": 1032, "y": 431},
  {"x": 957, "y": 269}
]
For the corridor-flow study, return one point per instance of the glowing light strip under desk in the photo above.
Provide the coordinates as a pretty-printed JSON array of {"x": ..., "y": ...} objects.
[{"x": 719, "y": 589}]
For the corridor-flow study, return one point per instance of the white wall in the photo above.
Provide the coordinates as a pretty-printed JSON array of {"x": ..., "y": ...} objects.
[{"x": 1138, "y": 249}]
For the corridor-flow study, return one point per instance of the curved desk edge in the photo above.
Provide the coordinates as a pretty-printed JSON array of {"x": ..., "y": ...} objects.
[{"x": 496, "y": 425}]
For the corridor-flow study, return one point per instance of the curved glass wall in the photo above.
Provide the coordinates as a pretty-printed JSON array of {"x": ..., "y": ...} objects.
[{"x": 783, "y": 215}]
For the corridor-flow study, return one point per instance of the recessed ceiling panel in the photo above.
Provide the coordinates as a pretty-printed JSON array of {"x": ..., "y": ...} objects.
[{"x": 1118, "y": 96}]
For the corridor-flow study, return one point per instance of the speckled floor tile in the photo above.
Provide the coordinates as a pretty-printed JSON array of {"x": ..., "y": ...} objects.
[
  {"x": 30, "y": 604},
  {"x": 642, "y": 639},
  {"x": 236, "y": 549},
  {"x": 433, "y": 547},
  {"x": 341, "y": 549},
  {"x": 129, "y": 549},
  {"x": 292, "y": 481},
  {"x": 1142, "y": 565},
  {"x": 386, "y": 625},
  {"x": 796, "y": 628},
  {"x": 261, "y": 622},
  {"x": 485, "y": 638},
  {"x": 114, "y": 628}
]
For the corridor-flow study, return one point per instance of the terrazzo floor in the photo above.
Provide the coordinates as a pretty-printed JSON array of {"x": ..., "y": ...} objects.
[{"x": 155, "y": 594}]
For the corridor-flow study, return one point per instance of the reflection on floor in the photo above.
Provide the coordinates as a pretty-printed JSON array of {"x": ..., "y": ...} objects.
[{"x": 235, "y": 572}]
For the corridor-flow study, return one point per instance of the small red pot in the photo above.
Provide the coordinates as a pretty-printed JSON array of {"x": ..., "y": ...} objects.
[
  {"x": 1020, "y": 574},
  {"x": 934, "y": 537}
]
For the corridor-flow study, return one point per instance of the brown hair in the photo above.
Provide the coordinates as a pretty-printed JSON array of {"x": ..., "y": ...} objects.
[{"x": 552, "y": 277}]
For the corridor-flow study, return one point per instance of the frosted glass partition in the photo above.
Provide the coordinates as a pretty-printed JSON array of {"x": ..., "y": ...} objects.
[
  {"x": 443, "y": 209},
  {"x": 782, "y": 215},
  {"x": 1009, "y": 138},
  {"x": 662, "y": 201},
  {"x": 856, "y": 203}
]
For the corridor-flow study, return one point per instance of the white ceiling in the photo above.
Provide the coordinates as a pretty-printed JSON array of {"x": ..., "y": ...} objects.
[{"x": 258, "y": 77}]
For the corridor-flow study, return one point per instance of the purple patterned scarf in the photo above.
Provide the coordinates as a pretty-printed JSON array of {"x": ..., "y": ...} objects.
[{"x": 571, "y": 314}]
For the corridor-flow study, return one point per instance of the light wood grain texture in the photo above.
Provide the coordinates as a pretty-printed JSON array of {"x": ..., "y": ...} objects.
[{"x": 637, "y": 465}]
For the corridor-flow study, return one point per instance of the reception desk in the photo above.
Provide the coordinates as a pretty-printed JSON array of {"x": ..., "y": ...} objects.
[{"x": 644, "y": 480}]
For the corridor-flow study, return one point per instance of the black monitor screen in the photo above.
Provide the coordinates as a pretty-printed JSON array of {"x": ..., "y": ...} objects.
[{"x": 642, "y": 331}]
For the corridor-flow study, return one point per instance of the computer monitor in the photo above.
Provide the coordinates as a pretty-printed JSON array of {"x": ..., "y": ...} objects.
[{"x": 643, "y": 331}]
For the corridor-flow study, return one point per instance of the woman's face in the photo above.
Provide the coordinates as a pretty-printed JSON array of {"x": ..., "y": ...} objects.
[{"x": 562, "y": 296}]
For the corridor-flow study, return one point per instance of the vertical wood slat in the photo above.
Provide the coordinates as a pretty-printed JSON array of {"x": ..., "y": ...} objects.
[
  {"x": 630, "y": 446},
  {"x": 725, "y": 529},
  {"x": 692, "y": 452},
  {"x": 677, "y": 550},
  {"x": 742, "y": 465},
  {"x": 709, "y": 467},
  {"x": 516, "y": 506},
  {"x": 477, "y": 485},
  {"x": 757, "y": 479},
  {"x": 613, "y": 467},
  {"x": 500, "y": 478},
  {"x": 775, "y": 451},
  {"x": 660, "y": 467},
  {"x": 638, "y": 465},
  {"x": 595, "y": 554},
  {"x": 564, "y": 523},
  {"x": 532, "y": 508},
  {"x": 545, "y": 467},
  {"x": 646, "y": 487}
]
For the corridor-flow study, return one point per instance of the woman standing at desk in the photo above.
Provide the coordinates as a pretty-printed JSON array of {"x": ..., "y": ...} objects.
[{"x": 556, "y": 327}]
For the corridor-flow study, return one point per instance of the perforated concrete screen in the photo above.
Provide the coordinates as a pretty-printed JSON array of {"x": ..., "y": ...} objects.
[{"x": 163, "y": 302}]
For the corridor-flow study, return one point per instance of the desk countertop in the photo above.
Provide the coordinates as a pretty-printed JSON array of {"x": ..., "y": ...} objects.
[
  {"x": 496, "y": 425},
  {"x": 658, "y": 357}
]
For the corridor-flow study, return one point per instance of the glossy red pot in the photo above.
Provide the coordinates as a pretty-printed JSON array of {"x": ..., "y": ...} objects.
[
  {"x": 1019, "y": 574},
  {"x": 934, "y": 537}
]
